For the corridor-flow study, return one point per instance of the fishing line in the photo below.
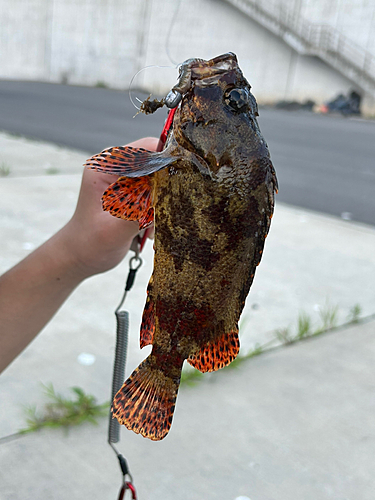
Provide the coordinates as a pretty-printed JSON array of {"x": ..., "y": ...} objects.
[
  {"x": 134, "y": 77},
  {"x": 167, "y": 44},
  {"x": 176, "y": 64}
]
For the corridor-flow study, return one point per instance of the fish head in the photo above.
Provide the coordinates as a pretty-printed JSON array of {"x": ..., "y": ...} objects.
[{"x": 217, "y": 117}]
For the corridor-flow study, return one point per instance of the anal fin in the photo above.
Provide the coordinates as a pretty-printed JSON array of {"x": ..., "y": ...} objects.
[
  {"x": 130, "y": 199},
  {"x": 216, "y": 353}
]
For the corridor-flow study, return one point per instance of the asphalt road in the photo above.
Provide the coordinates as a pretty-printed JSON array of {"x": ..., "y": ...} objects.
[{"x": 323, "y": 163}]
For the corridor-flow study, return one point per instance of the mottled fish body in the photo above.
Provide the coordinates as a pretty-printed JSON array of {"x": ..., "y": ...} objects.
[{"x": 210, "y": 194}]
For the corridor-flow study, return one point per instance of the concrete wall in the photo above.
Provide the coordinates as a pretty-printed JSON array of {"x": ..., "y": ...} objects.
[
  {"x": 74, "y": 41},
  {"x": 353, "y": 18},
  {"x": 108, "y": 41}
]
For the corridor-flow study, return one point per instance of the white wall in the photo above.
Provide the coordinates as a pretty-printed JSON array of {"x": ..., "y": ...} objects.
[
  {"x": 353, "y": 18},
  {"x": 90, "y": 41},
  {"x": 274, "y": 70},
  {"x": 76, "y": 41}
]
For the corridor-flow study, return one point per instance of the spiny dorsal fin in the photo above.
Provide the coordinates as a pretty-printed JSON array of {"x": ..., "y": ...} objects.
[
  {"x": 130, "y": 162},
  {"x": 148, "y": 318}
]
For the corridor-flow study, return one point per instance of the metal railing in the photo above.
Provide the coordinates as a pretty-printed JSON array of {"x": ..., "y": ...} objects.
[{"x": 320, "y": 40}]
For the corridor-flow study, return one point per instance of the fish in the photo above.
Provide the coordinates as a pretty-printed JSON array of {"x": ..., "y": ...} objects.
[{"x": 210, "y": 196}]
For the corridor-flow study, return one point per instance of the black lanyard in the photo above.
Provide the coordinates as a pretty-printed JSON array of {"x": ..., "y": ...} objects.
[{"x": 122, "y": 334}]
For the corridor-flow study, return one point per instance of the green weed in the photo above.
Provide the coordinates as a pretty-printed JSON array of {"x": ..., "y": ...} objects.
[
  {"x": 258, "y": 349},
  {"x": 190, "y": 377},
  {"x": 52, "y": 171},
  {"x": 64, "y": 412},
  {"x": 328, "y": 316},
  {"x": 284, "y": 336},
  {"x": 303, "y": 326},
  {"x": 354, "y": 314},
  {"x": 4, "y": 169}
]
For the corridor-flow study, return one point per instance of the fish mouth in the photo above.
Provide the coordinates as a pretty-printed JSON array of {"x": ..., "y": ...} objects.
[
  {"x": 214, "y": 68},
  {"x": 202, "y": 73}
]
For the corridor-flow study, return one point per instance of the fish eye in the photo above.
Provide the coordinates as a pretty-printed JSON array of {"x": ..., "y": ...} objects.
[{"x": 237, "y": 98}]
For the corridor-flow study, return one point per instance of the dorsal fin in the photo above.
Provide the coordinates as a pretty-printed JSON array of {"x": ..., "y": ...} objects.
[{"x": 148, "y": 317}]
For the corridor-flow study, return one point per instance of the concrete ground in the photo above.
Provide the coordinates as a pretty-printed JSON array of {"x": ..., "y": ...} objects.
[{"x": 294, "y": 423}]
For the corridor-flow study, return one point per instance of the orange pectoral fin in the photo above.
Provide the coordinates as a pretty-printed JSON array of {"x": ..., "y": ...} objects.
[
  {"x": 130, "y": 199},
  {"x": 217, "y": 353}
]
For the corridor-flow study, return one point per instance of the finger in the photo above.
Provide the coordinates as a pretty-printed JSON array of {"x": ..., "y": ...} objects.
[
  {"x": 99, "y": 181},
  {"x": 150, "y": 232},
  {"x": 149, "y": 143}
]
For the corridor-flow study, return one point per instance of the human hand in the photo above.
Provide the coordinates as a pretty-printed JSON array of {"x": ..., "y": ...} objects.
[{"x": 98, "y": 241}]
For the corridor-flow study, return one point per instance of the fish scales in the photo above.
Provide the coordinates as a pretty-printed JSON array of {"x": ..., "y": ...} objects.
[{"x": 210, "y": 195}]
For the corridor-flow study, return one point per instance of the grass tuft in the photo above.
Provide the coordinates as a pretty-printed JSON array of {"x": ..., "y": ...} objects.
[
  {"x": 328, "y": 316},
  {"x": 258, "y": 349},
  {"x": 303, "y": 326},
  {"x": 354, "y": 313},
  {"x": 284, "y": 336},
  {"x": 52, "y": 171},
  {"x": 4, "y": 169},
  {"x": 64, "y": 412},
  {"x": 190, "y": 377}
]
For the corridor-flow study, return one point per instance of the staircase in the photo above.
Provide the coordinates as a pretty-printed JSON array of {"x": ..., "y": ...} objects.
[{"x": 320, "y": 40}]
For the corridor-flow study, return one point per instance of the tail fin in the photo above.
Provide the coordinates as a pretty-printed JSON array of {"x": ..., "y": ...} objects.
[{"x": 146, "y": 402}]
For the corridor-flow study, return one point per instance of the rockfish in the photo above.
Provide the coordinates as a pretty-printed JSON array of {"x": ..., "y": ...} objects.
[{"x": 210, "y": 195}]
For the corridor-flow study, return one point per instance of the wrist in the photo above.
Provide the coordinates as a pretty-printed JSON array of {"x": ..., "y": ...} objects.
[
  {"x": 60, "y": 250},
  {"x": 97, "y": 250}
]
